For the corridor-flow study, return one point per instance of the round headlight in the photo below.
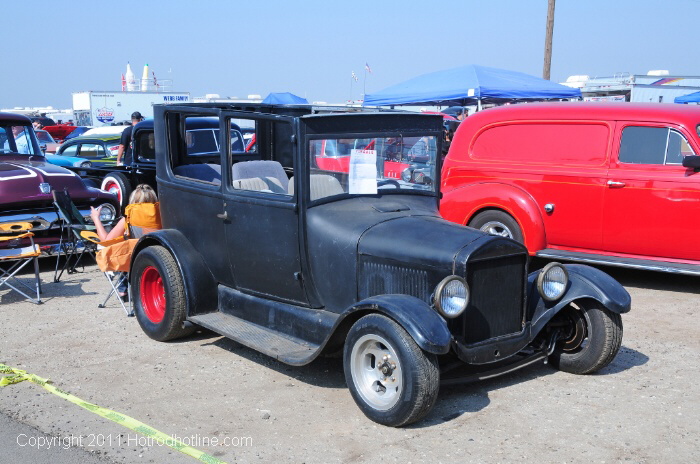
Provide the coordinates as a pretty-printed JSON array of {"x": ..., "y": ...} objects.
[
  {"x": 83, "y": 164},
  {"x": 451, "y": 296},
  {"x": 552, "y": 281},
  {"x": 406, "y": 175},
  {"x": 107, "y": 213}
]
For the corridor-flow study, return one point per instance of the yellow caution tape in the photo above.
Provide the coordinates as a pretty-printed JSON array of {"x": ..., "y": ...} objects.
[{"x": 18, "y": 375}]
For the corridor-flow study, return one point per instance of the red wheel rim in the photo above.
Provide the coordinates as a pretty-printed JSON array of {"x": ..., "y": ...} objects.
[
  {"x": 113, "y": 187},
  {"x": 152, "y": 294}
]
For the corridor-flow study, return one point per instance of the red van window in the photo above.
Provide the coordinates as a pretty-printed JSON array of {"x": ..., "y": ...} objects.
[{"x": 577, "y": 144}]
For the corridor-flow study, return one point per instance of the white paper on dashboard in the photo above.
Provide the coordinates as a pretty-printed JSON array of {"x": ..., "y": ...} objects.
[{"x": 363, "y": 172}]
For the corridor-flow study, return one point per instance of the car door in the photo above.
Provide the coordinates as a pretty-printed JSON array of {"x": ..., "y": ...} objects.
[
  {"x": 651, "y": 200},
  {"x": 262, "y": 224}
]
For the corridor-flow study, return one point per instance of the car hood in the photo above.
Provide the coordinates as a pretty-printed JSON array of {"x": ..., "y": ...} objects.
[
  {"x": 21, "y": 181},
  {"x": 423, "y": 241}
]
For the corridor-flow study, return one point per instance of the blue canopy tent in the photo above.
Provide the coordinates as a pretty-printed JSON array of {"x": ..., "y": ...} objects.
[
  {"x": 690, "y": 98},
  {"x": 469, "y": 85},
  {"x": 284, "y": 98}
]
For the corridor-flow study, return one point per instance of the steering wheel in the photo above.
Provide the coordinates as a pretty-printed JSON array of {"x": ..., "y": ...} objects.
[{"x": 389, "y": 182}]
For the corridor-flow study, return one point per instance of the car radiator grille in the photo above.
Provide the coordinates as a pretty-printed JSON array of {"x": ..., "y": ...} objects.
[
  {"x": 496, "y": 304},
  {"x": 381, "y": 278}
]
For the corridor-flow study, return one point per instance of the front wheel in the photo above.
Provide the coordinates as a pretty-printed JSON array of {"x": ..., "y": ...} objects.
[
  {"x": 159, "y": 294},
  {"x": 119, "y": 184},
  {"x": 496, "y": 222},
  {"x": 390, "y": 378},
  {"x": 591, "y": 337}
]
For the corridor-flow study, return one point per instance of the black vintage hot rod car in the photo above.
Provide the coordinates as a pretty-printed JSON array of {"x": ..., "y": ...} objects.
[{"x": 296, "y": 253}]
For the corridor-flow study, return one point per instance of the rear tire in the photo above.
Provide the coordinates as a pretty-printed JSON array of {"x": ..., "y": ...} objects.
[
  {"x": 497, "y": 222},
  {"x": 159, "y": 294},
  {"x": 592, "y": 340},
  {"x": 119, "y": 184}
]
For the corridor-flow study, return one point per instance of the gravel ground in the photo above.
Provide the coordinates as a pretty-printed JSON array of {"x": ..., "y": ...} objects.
[{"x": 241, "y": 406}]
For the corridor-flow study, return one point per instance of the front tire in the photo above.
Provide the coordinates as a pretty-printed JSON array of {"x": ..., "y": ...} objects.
[
  {"x": 496, "y": 222},
  {"x": 119, "y": 184},
  {"x": 592, "y": 338},
  {"x": 390, "y": 378},
  {"x": 159, "y": 294}
]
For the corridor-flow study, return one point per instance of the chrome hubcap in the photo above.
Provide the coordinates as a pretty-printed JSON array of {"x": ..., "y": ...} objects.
[
  {"x": 376, "y": 372},
  {"x": 496, "y": 228}
]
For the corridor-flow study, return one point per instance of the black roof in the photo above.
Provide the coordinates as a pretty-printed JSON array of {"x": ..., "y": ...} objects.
[{"x": 14, "y": 118}]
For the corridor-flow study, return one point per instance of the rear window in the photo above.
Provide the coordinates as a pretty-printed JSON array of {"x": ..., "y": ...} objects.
[{"x": 577, "y": 144}]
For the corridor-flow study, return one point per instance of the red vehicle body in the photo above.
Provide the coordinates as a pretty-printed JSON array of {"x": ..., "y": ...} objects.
[
  {"x": 59, "y": 131},
  {"x": 599, "y": 183}
]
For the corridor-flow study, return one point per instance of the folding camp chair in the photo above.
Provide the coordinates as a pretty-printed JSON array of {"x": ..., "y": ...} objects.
[
  {"x": 72, "y": 242},
  {"x": 22, "y": 250},
  {"x": 114, "y": 259}
]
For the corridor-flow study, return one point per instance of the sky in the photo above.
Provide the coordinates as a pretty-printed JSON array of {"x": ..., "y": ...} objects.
[{"x": 236, "y": 48}]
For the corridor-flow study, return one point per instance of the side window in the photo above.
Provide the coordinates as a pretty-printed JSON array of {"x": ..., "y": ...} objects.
[
  {"x": 70, "y": 151},
  {"x": 91, "y": 151},
  {"x": 653, "y": 145},
  {"x": 194, "y": 147},
  {"x": 272, "y": 169},
  {"x": 145, "y": 146},
  {"x": 643, "y": 145}
]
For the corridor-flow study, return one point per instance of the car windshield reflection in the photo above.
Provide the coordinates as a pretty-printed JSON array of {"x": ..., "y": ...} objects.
[{"x": 16, "y": 139}]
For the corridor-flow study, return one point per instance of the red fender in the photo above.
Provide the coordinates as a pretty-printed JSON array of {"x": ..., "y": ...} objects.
[{"x": 460, "y": 205}]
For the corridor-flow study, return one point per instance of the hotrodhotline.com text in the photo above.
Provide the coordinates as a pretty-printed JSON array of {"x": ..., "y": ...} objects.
[{"x": 127, "y": 440}]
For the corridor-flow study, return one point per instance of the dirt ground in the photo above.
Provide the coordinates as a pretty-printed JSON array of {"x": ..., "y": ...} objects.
[{"x": 643, "y": 408}]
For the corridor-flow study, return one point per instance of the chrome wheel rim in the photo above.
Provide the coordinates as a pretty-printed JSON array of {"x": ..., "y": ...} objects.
[
  {"x": 376, "y": 372},
  {"x": 497, "y": 228}
]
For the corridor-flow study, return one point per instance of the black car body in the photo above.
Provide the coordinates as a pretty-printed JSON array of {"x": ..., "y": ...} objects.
[{"x": 298, "y": 261}]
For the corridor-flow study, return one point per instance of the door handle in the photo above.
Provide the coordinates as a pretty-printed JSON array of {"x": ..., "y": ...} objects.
[
  {"x": 223, "y": 215},
  {"x": 613, "y": 184}
]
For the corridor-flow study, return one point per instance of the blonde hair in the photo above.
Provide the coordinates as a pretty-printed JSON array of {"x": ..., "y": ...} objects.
[{"x": 143, "y": 193}]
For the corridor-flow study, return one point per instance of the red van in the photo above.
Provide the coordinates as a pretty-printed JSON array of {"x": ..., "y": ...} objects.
[{"x": 613, "y": 183}]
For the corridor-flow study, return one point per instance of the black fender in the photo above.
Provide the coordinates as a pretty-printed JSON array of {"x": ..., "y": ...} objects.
[
  {"x": 584, "y": 282},
  {"x": 423, "y": 323},
  {"x": 200, "y": 287}
]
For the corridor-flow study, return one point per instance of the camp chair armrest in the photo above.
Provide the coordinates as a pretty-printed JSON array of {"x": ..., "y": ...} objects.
[
  {"x": 4, "y": 238},
  {"x": 14, "y": 227},
  {"x": 94, "y": 238}
]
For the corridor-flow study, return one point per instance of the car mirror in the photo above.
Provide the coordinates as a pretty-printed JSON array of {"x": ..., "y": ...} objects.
[{"x": 692, "y": 161}]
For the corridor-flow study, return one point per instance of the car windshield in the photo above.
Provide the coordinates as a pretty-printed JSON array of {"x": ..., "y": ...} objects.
[
  {"x": 16, "y": 139},
  {"x": 44, "y": 137},
  {"x": 371, "y": 165}
]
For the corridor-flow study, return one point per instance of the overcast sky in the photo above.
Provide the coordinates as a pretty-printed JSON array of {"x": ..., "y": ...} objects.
[{"x": 236, "y": 48}]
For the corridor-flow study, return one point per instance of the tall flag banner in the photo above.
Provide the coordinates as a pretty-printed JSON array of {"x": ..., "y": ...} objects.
[
  {"x": 123, "y": 83},
  {"x": 354, "y": 76},
  {"x": 368, "y": 68},
  {"x": 155, "y": 81}
]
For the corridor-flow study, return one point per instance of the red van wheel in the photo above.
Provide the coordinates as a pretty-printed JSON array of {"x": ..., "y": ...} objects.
[
  {"x": 497, "y": 223},
  {"x": 161, "y": 305}
]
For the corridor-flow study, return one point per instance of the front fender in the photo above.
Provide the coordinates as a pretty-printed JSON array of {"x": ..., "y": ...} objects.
[
  {"x": 584, "y": 282},
  {"x": 461, "y": 204},
  {"x": 424, "y": 324},
  {"x": 200, "y": 287}
]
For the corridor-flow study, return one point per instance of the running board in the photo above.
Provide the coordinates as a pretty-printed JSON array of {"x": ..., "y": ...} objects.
[
  {"x": 634, "y": 263},
  {"x": 274, "y": 344}
]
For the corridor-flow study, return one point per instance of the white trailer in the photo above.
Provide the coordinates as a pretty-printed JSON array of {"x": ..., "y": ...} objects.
[
  {"x": 104, "y": 108},
  {"x": 657, "y": 87}
]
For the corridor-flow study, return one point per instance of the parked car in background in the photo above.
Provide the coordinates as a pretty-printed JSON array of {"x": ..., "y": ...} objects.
[
  {"x": 79, "y": 130},
  {"x": 26, "y": 182},
  {"x": 295, "y": 260},
  {"x": 203, "y": 143},
  {"x": 60, "y": 131},
  {"x": 46, "y": 143},
  {"x": 614, "y": 184},
  {"x": 98, "y": 150}
]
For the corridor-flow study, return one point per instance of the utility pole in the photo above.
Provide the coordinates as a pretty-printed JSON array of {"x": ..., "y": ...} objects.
[{"x": 548, "y": 40}]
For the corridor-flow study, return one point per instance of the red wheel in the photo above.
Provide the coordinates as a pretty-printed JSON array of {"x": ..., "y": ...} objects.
[
  {"x": 152, "y": 294},
  {"x": 160, "y": 303},
  {"x": 119, "y": 184}
]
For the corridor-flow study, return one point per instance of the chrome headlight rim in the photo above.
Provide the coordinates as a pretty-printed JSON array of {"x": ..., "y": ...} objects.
[
  {"x": 440, "y": 288},
  {"x": 82, "y": 164},
  {"x": 107, "y": 212},
  {"x": 541, "y": 281}
]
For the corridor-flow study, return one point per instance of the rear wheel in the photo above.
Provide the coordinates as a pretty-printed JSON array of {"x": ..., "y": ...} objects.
[
  {"x": 591, "y": 337},
  {"x": 119, "y": 184},
  {"x": 390, "y": 378},
  {"x": 159, "y": 294},
  {"x": 496, "y": 222}
]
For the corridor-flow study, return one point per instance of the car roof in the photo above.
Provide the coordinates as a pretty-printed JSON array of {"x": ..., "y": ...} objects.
[
  {"x": 12, "y": 117},
  {"x": 668, "y": 112},
  {"x": 194, "y": 122},
  {"x": 94, "y": 138}
]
